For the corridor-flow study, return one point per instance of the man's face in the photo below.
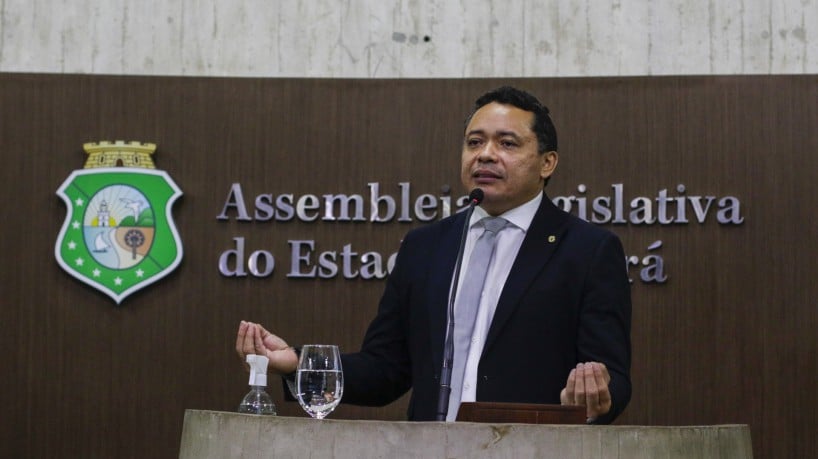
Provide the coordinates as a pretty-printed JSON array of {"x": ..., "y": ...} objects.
[{"x": 500, "y": 157}]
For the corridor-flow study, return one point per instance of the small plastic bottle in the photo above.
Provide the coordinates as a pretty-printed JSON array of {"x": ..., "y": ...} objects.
[{"x": 257, "y": 401}]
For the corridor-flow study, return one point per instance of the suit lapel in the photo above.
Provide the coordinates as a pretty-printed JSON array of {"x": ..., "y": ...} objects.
[
  {"x": 541, "y": 240},
  {"x": 441, "y": 270}
]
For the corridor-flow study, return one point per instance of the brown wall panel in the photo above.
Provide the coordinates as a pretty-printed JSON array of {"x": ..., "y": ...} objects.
[{"x": 729, "y": 338}]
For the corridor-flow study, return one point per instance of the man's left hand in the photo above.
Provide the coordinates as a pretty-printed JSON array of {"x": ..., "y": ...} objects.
[{"x": 587, "y": 386}]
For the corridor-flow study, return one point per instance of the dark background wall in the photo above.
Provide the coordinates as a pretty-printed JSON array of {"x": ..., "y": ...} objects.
[{"x": 728, "y": 338}]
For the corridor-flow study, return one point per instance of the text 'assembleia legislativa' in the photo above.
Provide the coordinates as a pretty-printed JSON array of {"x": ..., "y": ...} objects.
[{"x": 377, "y": 207}]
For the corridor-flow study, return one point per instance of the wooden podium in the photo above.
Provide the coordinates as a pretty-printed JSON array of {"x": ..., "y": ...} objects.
[
  {"x": 212, "y": 434},
  {"x": 520, "y": 413}
]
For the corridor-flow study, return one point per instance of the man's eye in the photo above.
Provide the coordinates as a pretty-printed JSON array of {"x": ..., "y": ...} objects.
[
  {"x": 508, "y": 143},
  {"x": 473, "y": 142}
]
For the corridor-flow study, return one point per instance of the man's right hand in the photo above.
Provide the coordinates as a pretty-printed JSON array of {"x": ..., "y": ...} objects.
[{"x": 254, "y": 339}]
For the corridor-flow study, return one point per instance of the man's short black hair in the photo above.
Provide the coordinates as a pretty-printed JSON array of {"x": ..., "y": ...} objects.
[{"x": 542, "y": 126}]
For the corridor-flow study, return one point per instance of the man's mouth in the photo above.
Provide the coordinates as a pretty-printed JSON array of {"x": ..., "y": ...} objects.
[{"x": 485, "y": 175}]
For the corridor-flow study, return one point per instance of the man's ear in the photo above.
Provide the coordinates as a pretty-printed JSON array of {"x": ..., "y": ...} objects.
[{"x": 549, "y": 164}]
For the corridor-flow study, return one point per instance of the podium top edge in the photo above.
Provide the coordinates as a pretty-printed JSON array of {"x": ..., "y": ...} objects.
[{"x": 200, "y": 412}]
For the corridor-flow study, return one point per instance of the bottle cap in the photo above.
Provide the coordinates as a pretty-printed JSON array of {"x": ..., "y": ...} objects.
[{"x": 258, "y": 369}]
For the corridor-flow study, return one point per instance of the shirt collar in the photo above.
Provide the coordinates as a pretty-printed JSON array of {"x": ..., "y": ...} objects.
[{"x": 520, "y": 216}]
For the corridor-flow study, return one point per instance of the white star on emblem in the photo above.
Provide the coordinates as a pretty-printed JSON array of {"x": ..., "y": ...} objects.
[
  {"x": 97, "y": 272},
  {"x": 72, "y": 245},
  {"x": 79, "y": 261},
  {"x": 139, "y": 273},
  {"x": 118, "y": 280},
  {"x": 79, "y": 202},
  {"x": 76, "y": 225}
]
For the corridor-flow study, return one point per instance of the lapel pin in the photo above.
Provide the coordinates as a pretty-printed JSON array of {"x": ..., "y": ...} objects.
[{"x": 552, "y": 238}]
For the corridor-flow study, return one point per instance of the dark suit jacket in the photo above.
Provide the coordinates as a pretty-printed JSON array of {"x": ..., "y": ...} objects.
[{"x": 566, "y": 300}]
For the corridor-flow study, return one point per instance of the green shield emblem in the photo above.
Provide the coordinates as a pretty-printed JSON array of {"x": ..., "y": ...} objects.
[{"x": 118, "y": 235}]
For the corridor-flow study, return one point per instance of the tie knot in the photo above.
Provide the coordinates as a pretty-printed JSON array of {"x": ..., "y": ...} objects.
[{"x": 494, "y": 224}]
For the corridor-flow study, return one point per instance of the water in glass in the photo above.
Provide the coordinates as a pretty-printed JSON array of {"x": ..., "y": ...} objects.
[{"x": 319, "y": 379}]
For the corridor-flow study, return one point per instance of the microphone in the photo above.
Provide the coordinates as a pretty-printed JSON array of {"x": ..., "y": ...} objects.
[{"x": 475, "y": 198}]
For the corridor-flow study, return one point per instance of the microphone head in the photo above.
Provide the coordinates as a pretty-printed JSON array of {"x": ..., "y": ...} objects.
[{"x": 476, "y": 196}]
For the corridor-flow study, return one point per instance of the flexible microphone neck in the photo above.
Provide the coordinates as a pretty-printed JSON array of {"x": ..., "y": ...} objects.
[{"x": 475, "y": 198}]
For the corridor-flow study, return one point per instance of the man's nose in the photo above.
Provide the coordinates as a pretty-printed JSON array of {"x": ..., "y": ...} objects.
[{"x": 488, "y": 153}]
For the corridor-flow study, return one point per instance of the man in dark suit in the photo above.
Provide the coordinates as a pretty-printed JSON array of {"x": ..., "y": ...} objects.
[{"x": 553, "y": 321}]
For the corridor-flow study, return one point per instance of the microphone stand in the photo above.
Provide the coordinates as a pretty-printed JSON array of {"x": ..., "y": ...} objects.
[{"x": 475, "y": 198}]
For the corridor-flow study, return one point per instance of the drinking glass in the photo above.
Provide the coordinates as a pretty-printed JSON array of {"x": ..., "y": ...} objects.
[{"x": 319, "y": 379}]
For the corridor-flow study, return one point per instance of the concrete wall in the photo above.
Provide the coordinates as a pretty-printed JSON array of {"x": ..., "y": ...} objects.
[
  {"x": 209, "y": 434},
  {"x": 409, "y": 38}
]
